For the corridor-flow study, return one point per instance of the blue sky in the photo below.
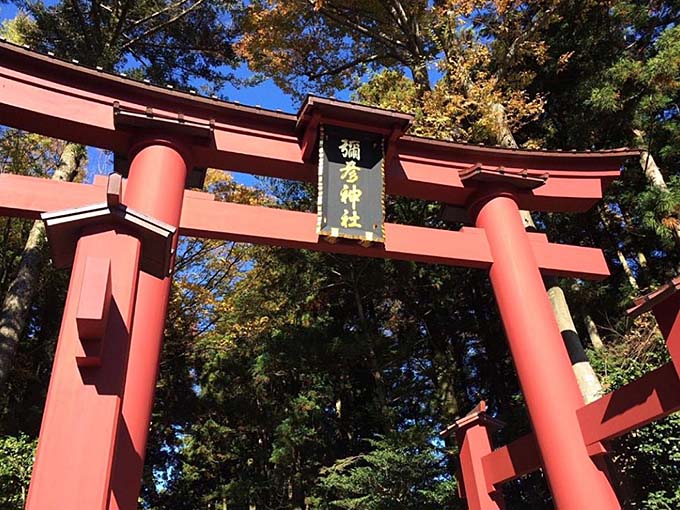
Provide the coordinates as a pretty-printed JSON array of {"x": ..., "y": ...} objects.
[{"x": 266, "y": 94}]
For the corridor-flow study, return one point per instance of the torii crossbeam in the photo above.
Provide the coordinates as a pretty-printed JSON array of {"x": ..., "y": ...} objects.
[{"x": 120, "y": 238}]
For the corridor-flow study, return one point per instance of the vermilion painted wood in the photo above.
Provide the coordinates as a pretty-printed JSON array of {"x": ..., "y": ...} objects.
[
  {"x": 30, "y": 196},
  {"x": 520, "y": 458},
  {"x": 77, "y": 437},
  {"x": 650, "y": 397},
  {"x": 155, "y": 187},
  {"x": 50, "y": 97},
  {"x": 92, "y": 314},
  {"x": 640, "y": 402},
  {"x": 95, "y": 298},
  {"x": 513, "y": 460},
  {"x": 93, "y": 412},
  {"x": 47, "y": 96},
  {"x": 292, "y": 229},
  {"x": 543, "y": 367},
  {"x": 475, "y": 444},
  {"x": 667, "y": 314}
]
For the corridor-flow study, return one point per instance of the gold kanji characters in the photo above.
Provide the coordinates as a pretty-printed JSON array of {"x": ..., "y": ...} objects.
[
  {"x": 350, "y": 149},
  {"x": 351, "y": 195},
  {"x": 350, "y": 172},
  {"x": 348, "y": 220}
]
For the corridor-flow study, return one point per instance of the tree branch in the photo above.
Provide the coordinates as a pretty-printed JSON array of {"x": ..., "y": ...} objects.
[
  {"x": 337, "y": 16},
  {"x": 161, "y": 26},
  {"x": 157, "y": 13},
  {"x": 344, "y": 67}
]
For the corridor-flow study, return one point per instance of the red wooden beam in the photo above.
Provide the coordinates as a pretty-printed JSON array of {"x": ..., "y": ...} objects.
[
  {"x": 650, "y": 397},
  {"x": 92, "y": 314},
  {"x": 47, "y": 96},
  {"x": 664, "y": 303},
  {"x": 520, "y": 458},
  {"x": 667, "y": 315},
  {"x": 653, "y": 299},
  {"x": 634, "y": 405},
  {"x": 291, "y": 229},
  {"x": 28, "y": 197}
]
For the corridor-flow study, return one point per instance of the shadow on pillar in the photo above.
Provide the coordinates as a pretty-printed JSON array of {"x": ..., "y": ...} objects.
[
  {"x": 108, "y": 377},
  {"x": 125, "y": 471}
]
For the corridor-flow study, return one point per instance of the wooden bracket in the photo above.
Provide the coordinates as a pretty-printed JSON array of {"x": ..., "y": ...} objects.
[
  {"x": 317, "y": 110},
  {"x": 114, "y": 190},
  {"x": 146, "y": 120},
  {"x": 522, "y": 180},
  {"x": 64, "y": 228},
  {"x": 390, "y": 143},
  {"x": 664, "y": 303},
  {"x": 310, "y": 138},
  {"x": 92, "y": 314}
]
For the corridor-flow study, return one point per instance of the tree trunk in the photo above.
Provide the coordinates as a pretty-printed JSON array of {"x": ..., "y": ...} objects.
[
  {"x": 504, "y": 136},
  {"x": 604, "y": 217},
  {"x": 586, "y": 378},
  {"x": 421, "y": 78},
  {"x": 649, "y": 166},
  {"x": 17, "y": 302},
  {"x": 653, "y": 173},
  {"x": 376, "y": 369},
  {"x": 595, "y": 338},
  {"x": 626, "y": 269}
]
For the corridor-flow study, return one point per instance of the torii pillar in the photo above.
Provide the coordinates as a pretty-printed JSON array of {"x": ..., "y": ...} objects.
[
  {"x": 106, "y": 364},
  {"x": 541, "y": 360}
]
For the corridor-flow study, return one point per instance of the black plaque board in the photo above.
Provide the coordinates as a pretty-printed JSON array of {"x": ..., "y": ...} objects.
[{"x": 351, "y": 184}]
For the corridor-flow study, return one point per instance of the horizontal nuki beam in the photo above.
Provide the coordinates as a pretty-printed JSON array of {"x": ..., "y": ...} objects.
[
  {"x": 651, "y": 397},
  {"x": 44, "y": 95},
  {"x": 28, "y": 197}
]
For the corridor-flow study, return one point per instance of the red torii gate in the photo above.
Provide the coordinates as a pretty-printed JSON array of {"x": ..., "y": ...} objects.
[{"x": 120, "y": 237}]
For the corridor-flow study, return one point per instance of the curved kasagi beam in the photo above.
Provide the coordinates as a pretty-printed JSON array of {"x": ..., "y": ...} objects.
[{"x": 48, "y": 96}]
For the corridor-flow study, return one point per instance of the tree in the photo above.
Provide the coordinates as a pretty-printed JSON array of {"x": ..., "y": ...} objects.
[
  {"x": 398, "y": 472},
  {"x": 298, "y": 380},
  {"x": 17, "y": 457},
  {"x": 162, "y": 37},
  {"x": 19, "y": 295},
  {"x": 165, "y": 41},
  {"x": 475, "y": 100}
]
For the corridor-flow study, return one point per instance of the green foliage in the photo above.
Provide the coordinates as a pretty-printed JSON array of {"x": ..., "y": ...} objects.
[
  {"x": 658, "y": 210},
  {"x": 647, "y": 459},
  {"x": 166, "y": 41},
  {"x": 15, "y": 30},
  {"x": 16, "y": 462},
  {"x": 606, "y": 98},
  {"x": 399, "y": 472}
]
